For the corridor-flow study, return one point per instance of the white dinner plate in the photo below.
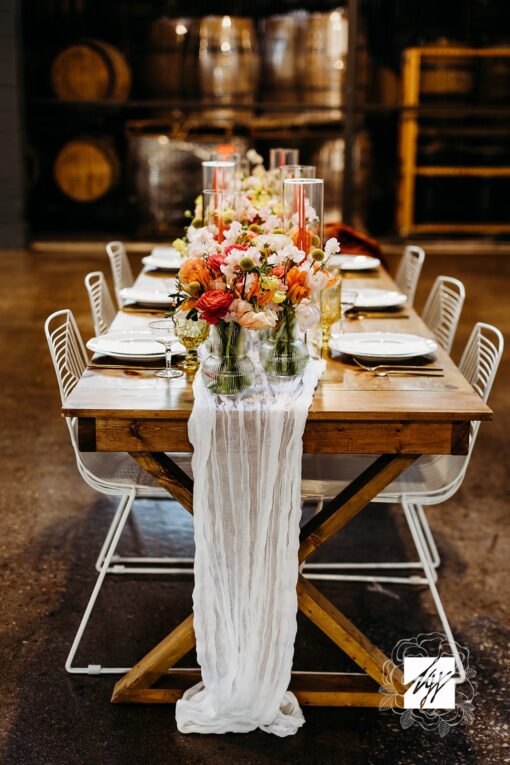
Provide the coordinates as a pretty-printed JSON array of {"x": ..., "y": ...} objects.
[
  {"x": 146, "y": 297},
  {"x": 382, "y": 345},
  {"x": 370, "y": 297},
  {"x": 348, "y": 262},
  {"x": 136, "y": 345},
  {"x": 163, "y": 257}
]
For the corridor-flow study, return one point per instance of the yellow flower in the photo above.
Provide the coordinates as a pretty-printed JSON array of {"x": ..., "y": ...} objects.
[{"x": 279, "y": 296}]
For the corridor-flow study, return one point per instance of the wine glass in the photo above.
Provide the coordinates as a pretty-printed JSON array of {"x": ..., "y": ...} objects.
[
  {"x": 348, "y": 299},
  {"x": 163, "y": 332},
  {"x": 191, "y": 333},
  {"x": 331, "y": 309}
]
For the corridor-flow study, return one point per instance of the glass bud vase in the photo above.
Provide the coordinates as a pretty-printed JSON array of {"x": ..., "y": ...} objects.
[
  {"x": 228, "y": 370},
  {"x": 283, "y": 352}
]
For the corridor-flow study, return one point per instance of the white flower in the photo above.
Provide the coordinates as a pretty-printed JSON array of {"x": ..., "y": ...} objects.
[
  {"x": 254, "y": 157},
  {"x": 307, "y": 314},
  {"x": 331, "y": 247},
  {"x": 233, "y": 232},
  {"x": 291, "y": 252},
  {"x": 202, "y": 242},
  {"x": 273, "y": 241},
  {"x": 235, "y": 256},
  {"x": 316, "y": 280},
  {"x": 271, "y": 222}
]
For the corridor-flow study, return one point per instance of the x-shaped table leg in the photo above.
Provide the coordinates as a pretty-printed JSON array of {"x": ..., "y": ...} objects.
[{"x": 330, "y": 689}]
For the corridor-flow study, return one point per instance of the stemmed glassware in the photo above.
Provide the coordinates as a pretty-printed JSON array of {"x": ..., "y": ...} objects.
[
  {"x": 331, "y": 310},
  {"x": 163, "y": 332},
  {"x": 348, "y": 299},
  {"x": 191, "y": 333}
]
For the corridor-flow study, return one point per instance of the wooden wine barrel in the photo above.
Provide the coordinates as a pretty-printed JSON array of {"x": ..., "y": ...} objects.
[
  {"x": 87, "y": 168},
  {"x": 228, "y": 61},
  {"x": 165, "y": 71},
  {"x": 91, "y": 70},
  {"x": 324, "y": 54}
]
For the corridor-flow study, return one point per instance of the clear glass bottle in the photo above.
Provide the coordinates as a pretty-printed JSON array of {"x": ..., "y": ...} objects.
[
  {"x": 283, "y": 352},
  {"x": 228, "y": 370}
]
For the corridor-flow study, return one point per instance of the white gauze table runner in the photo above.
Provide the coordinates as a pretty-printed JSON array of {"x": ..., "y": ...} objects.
[{"x": 247, "y": 508}]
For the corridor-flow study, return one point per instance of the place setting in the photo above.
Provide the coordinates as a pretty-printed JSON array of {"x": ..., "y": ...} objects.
[
  {"x": 144, "y": 350},
  {"x": 162, "y": 259},
  {"x": 144, "y": 300}
]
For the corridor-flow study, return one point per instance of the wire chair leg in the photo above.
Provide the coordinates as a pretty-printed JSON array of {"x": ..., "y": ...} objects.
[
  {"x": 122, "y": 565},
  {"x": 376, "y": 567},
  {"x": 431, "y": 576},
  {"x": 96, "y": 669},
  {"x": 431, "y": 542},
  {"x": 111, "y": 531}
]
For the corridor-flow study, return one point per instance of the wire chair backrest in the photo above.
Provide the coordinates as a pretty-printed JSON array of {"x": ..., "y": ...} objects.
[
  {"x": 479, "y": 364},
  {"x": 67, "y": 350},
  {"x": 121, "y": 270},
  {"x": 443, "y": 308},
  {"x": 101, "y": 305},
  {"x": 409, "y": 269}
]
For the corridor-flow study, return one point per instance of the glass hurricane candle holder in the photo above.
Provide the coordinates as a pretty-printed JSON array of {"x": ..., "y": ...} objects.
[
  {"x": 220, "y": 209},
  {"x": 303, "y": 211},
  {"x": 281, "y": 156},
  {"x": 219, "y": 175},
  {"x": 295, "y": 171},
  {"x": 242, "y": 169}
]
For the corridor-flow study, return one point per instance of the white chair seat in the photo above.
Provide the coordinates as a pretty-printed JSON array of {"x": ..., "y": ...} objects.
[
  {"x": 117, "y": 470},
  {"x": 327, "y": 475}
]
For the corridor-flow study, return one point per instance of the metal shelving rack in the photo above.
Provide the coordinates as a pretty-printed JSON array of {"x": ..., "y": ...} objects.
[{"x": 410, "y": 170}]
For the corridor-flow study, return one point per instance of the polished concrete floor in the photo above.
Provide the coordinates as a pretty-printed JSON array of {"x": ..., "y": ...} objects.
[{"x": 52, "y": 526}]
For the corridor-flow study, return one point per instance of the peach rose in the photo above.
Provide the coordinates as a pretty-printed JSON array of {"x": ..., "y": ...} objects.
[{"x": 194, "y": 271}]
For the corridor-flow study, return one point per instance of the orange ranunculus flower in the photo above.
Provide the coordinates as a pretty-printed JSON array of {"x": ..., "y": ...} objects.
[
  {"x": 296, "y": 283},
  {"x": 254, "y": 289},
  {"x": 188, "y": 304},
  {"x": 195, "y": 270},
  {"x": 308, "y": 240}
]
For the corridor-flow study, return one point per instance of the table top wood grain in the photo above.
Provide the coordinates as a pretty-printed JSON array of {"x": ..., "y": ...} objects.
[{"x": 347, "y": 398}]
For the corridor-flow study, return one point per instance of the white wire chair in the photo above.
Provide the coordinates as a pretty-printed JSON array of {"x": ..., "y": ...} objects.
[
  {"x": 101, "y": 305},
  {"x": 409, "y": 270},
  {"x": 430, "y": 481},
  {"x": 121, "y": 270},
  {"x": 112, "y": 473},
  {"x": 443, "y": 309}
]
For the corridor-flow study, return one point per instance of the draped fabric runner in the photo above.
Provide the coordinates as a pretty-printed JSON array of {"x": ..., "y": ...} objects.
[{"x": 247, "y": 509}]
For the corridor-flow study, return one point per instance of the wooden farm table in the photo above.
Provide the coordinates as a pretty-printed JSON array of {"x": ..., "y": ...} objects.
[{"x": 353, "y": 412}]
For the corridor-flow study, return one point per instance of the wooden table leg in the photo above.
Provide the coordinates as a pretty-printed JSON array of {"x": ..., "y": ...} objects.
[{"x": 329, "y": 688}]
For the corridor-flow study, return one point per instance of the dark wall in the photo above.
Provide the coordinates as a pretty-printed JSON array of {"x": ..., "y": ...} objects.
[{"x": 12, "y": 227}]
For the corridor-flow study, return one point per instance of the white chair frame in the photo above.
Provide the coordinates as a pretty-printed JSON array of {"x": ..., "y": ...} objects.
[
  {"x": 121, "y": 270},
  {"x": 443, "y": 309},
  {"x": 101, "y": 305},
  {"x": 479, "y": 364},
  {"x": 70, "y": 359},
  {"x": 409, "y": 270}
]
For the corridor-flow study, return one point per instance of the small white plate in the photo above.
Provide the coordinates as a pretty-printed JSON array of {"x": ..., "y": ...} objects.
[
  {"x": 348, "y": 262},
  {"x": 369, "y": 297},
  {"x": 145, "y": 297},
  {"x": 382, "y": 345},
  {"x": 136, "y": 345},
  {"x": 163, "y": 257}
]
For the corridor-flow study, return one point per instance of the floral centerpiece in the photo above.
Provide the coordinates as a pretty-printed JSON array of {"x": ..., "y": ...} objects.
[{"x": 249, "y": 281}]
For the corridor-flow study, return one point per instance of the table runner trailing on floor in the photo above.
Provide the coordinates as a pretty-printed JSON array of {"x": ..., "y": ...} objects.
[{"x": 247, "y": 509}]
